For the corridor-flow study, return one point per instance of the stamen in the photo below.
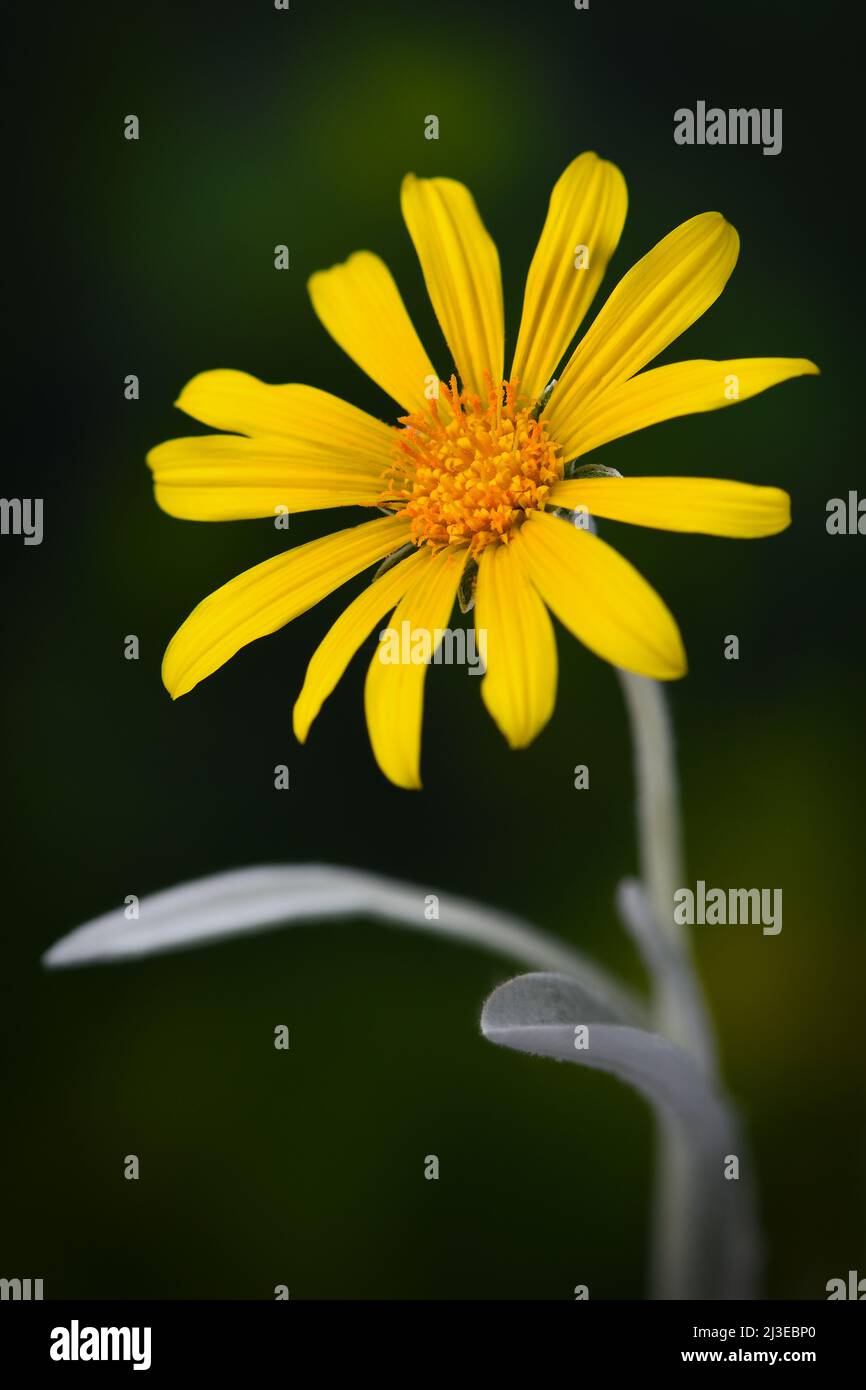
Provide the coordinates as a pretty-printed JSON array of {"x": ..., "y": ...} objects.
[{"x": 467, "y": 472}]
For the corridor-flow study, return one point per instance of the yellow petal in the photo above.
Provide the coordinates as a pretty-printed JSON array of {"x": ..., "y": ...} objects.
[
  {"x": 516, "y": 637},
  {"x": 340, "y": 643},
  {"x": 394, "y": 691},
  {"x": 587, "y": 210},
  {"x": 682, "y": 388},
  {"x": 226, "y": 477},
  {"x": 360, "y": 305},
  {"x": 265, "y": 598},
  {"x": 600, "y": 597},
  {"x": 461, "y": 270},
  {"x": 707, "y": 505},
  {"x": 653, "y": 304},
  {"x": 238, "y": 402}
]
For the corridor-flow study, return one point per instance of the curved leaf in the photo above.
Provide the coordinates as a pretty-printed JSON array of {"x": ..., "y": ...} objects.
[
  {"x": 552, "y": 1015},
  {"x": 252, "y": 899}
]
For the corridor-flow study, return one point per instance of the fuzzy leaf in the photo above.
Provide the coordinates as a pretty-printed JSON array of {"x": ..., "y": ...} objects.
[
  {"x": 245, "y": 900},
  {"x": 549, "y": 1014}
]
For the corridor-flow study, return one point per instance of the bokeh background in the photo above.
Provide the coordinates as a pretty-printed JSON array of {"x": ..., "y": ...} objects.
[{"x": 306, "y": 1168}]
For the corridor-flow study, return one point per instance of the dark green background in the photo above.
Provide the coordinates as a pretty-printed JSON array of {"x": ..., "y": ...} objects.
[{"x": 305, "y": 1167}]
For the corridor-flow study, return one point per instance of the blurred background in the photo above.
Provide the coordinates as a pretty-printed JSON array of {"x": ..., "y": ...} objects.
[{"x": 305, "y": 1168}]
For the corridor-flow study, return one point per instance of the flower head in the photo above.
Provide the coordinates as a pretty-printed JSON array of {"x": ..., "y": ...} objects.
[{"x": 479, "y": 469}]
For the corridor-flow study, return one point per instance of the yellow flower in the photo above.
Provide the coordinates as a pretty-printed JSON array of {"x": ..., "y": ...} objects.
[{"x": 477, "y": 471}]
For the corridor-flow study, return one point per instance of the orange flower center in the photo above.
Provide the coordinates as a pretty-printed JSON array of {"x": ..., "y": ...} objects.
[{"x": 468, "y": 471}]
